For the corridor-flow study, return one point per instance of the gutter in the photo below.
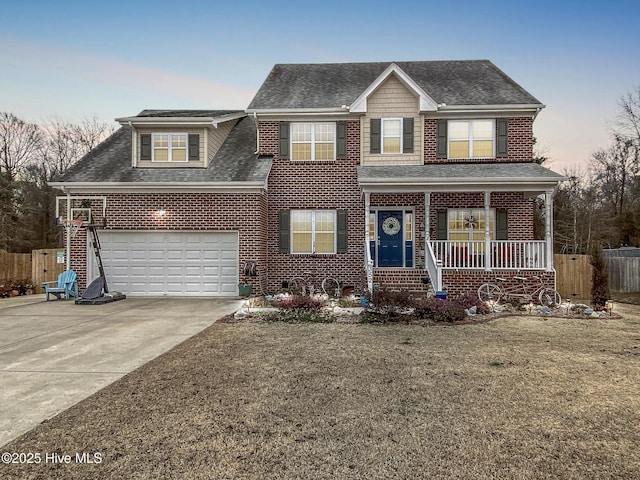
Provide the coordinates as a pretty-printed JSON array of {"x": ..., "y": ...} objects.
[
  {"x": 194, "y": 121},
  {"x": 483, "y": 108},
  {"x": 297, "y": 111},
  {"x": 160, "y": 187}
]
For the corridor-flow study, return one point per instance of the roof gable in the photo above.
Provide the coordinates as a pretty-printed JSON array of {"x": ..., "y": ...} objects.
[{"x": 426, "y": 103}]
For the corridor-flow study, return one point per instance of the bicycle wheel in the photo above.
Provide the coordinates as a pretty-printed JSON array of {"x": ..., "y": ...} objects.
[
  {"x": 549, "y": 297},
  {"x": 297, "y": 286},
  {"x": 490, "y": 292},
  {"x": 331, "y": 287}
]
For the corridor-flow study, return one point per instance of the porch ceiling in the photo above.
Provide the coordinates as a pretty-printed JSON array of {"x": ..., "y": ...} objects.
[{"x": 456, "y": 177}]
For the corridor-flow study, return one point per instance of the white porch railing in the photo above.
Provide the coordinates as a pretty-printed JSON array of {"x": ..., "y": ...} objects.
[
  {"x": 433, "y": 267},
  {"x": 503, "y": 254}
]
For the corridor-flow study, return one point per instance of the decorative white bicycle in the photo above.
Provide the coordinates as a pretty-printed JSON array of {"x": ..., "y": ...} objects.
[
  {"x": 522, "y": 292},
  {"x": 304, "y": 286}
]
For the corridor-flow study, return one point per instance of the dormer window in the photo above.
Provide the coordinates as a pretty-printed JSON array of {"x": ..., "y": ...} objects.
[{"x": 169, "y": 147}]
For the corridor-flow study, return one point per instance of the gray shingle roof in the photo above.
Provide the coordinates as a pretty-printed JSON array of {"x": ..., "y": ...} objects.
[
  {"x": 465, "y": 173},
  {"x": 186, "y": 113},
  {"x": 331, "y": 85},
  {"x": 235, "y": 161}
]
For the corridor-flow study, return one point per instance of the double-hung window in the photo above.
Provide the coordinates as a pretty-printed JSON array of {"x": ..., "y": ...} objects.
[
  {"x": 469, "y": 224},
  {"x": 169, "y": 147},
  {"x": 313, "y": 231},
  {"x": 471, "y": 138},
  {"x": 391, "y": 135},
  {"x": 313, "y": 141}
]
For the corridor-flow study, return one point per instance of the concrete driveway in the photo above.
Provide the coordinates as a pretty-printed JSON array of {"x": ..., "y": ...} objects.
[{"x": 54, "y": 354}]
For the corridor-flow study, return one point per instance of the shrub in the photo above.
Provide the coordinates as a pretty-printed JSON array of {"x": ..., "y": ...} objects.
[
  {"x": 469, "y": 300},
  {"x": 600, "y": 281},
  {"x": 15, "y": 286},
  {"x": 388, "y": 302},
  {"x": 440, "y": 310},
  {"x": 300, "y": 302}
]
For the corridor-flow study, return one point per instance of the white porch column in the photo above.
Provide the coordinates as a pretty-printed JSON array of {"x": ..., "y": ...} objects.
[
  {"x": 487, "y": 231},
  {"x": 368, "y": 262},
  {"x": 548, "y": 223},
  {"x": 427, "y": 216},
  {"x": 426, "y": 235},
  {"x": 367, "y": 211}
]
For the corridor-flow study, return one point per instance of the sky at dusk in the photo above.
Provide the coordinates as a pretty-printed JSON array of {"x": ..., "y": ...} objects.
[{"x": 71, "y": 60}]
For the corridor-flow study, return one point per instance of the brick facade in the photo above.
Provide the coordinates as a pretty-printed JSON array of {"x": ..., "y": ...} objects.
[
  {"x": 317, "y": 185},
  {"x": 333, "y": 185},
  {"x": 241, "y": 212}
]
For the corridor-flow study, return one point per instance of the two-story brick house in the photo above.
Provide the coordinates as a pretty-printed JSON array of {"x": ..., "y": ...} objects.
[{"x": 373, "y": 173}]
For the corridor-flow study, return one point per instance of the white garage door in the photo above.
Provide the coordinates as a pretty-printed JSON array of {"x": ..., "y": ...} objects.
[{"x": 170, "y": 263}]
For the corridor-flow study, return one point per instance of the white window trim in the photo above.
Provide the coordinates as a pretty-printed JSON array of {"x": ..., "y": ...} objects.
[
  {"x": 382, "y": 136},
  {"x": 170, "y": 148},
  {"x": 313, "y": 232},
  {"x": 313, "y": 141},
  {"x": 471, "y": 138}
]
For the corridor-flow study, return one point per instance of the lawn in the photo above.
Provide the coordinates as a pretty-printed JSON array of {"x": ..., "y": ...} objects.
[{"x": 517, "y": 397}]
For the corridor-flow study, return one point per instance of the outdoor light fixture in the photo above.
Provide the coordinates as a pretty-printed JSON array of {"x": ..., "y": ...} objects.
[
  {"x": 160, "y": 212},
  {"x": 609, "y": 306}
]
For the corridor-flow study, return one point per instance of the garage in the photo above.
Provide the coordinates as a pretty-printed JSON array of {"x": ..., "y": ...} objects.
[{"x": 180, "y": 263}]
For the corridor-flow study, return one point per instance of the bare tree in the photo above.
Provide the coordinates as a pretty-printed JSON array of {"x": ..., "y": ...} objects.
[
  {"x": 19, "y": 144},
  {"x": 65, "y": 143},
  {"x": 615, "y": 170},
  {"x": 629, "y": 116},
  {"x": 576, "y": 211}
]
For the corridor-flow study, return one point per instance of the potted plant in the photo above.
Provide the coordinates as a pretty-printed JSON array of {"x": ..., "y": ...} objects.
[{"x": 245, "y": 289}]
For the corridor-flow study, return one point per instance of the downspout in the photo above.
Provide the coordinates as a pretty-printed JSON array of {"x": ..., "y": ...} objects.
[
  {"x": 134, "y": 145},
  {"x": 255, "y": 119},
  {"x": 67, "y": 230}
]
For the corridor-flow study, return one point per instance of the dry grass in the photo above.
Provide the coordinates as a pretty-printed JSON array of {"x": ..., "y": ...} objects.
[{"x": 515, "y": 398}]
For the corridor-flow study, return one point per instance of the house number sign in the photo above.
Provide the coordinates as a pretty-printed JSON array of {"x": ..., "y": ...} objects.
[{"x": 391, "y": 226}]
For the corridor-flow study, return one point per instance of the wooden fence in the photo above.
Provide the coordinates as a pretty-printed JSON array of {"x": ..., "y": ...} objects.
[
  {"x": 624, "y": 274},
  {"x": 39, "y": 265},
  {"x": 573, "y": 276},
  {"x": 15, "y": 265}
]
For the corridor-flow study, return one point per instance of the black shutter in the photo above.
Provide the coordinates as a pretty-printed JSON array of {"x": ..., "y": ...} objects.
[
  {"x": 283, "y": 140},
  {"x": 145, "y": 146},
  {"x": 341, "y": 240},
  {"x": 284, "y": 229},
  {"x": 341, "y": 140},
  {"x": 407, "y": 135},
  {"x": 376, "y": 131},
  {"x": 502, "y": 224},
  {"x": 502, "y": 148},
  {"x": 441, "y": 225},
  {"x": 441, "y": 138},
  {"x": 194, "y": 147}
]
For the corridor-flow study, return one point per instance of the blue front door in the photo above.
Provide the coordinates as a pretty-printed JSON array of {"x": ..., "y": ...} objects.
[{"x": 390, "y": 238}]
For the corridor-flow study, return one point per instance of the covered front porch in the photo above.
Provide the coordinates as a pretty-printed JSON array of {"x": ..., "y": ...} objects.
[{"x": 433, "y": 220}]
